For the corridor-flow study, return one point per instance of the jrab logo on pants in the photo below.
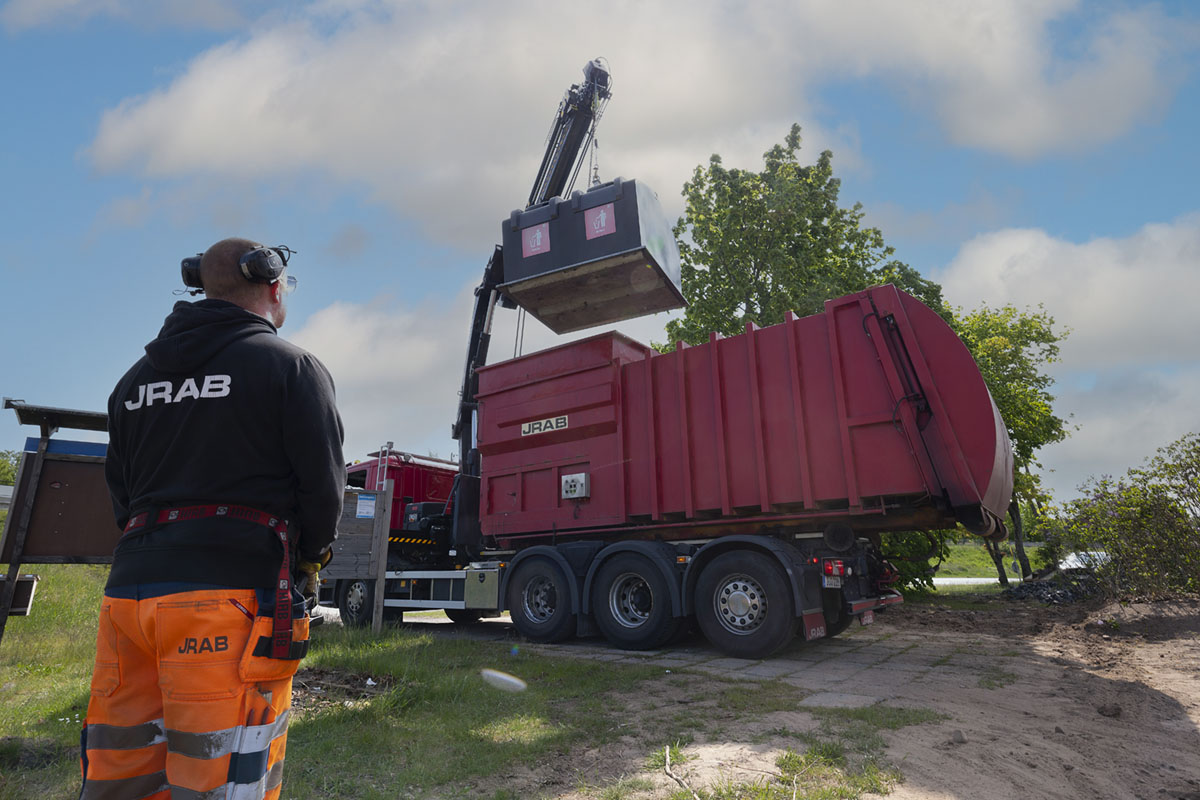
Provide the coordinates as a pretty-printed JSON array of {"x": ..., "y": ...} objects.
[{"x": 205, "y": 645}]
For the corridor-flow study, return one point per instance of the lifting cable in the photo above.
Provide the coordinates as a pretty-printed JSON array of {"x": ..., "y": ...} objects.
[{"x": 519, "y": 337}]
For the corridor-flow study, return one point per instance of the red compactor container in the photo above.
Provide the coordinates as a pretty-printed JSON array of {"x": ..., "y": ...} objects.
[{"x": 872, "y": 414}]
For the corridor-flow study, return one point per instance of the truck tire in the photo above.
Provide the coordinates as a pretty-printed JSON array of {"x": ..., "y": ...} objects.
[
  {"x": 631, "y": 602},
  {"x": 836, "y": 618},
  {"x": 744, "y": 605},
  {"x": 355, "y": 601},
  {"x": 463, "y": 616},
  {"x": 539, "y": 602}
]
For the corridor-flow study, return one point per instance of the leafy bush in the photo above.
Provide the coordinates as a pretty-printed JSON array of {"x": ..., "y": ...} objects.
[
  {"x": 914, "y": 555},
  {"x": 1148, "y": 523}
]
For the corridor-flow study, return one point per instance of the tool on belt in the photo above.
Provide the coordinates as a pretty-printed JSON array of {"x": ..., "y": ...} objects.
[{"x": 281, "y": 633}]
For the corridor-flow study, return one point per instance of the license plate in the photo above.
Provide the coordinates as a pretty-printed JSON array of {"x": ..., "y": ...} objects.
[
  {"x": 867, "y": 618},
  {"x": 831, "y": 581}
]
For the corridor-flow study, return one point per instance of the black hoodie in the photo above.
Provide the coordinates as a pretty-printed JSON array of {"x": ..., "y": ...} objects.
[{"x": 221, "y": 410}]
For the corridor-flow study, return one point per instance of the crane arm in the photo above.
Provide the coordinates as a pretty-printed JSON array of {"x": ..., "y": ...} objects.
[{"x": 571, "y": 131}]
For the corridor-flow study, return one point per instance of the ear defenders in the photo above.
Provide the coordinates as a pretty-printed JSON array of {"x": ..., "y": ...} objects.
[
  {"x": 190, "y": 267},
  {"x": 260, "y": 265}
]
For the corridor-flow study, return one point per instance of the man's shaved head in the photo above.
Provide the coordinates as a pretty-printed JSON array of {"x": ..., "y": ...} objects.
[{"x": 222, "y": 276}]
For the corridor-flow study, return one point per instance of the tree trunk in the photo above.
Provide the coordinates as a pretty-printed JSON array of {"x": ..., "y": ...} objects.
[
  {"x": 1014, "y": 513},
  {"x": 993, "y": 549}
]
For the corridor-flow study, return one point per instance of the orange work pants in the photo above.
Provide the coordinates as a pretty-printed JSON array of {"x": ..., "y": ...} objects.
[{"x": 181, "y": 706}]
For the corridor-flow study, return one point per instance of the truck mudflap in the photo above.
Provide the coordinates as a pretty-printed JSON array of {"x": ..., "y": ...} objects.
[{"x": 814, "y": 625}]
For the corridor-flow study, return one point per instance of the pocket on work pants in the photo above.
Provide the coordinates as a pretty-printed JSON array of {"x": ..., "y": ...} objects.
[
  {"x": 256, "y": 665},
  {"x": 106, "y": 674},
  {"x": 199, "y": 643}
]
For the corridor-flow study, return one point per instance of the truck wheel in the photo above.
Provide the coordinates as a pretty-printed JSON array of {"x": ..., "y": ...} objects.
[
  {"x": 744, "y": 605},
  {"x": 463, "y": 616},
  {"x": 836, "y": 618},
  {"x": 539, "y": 602},
  {"x": 632, "y": 603},
  {"x": 356, "y": 601}
]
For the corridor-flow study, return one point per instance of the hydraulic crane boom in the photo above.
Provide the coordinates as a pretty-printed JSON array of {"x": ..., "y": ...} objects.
[{"x": 571, "y": 132}]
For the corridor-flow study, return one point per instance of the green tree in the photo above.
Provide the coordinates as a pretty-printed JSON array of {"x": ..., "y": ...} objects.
[
  {"x": 8, "y": 475},
  {"x": 1012, "y": 348},
  {"x": 8, "y": 467},
  {"x": 1147, "y": 524},
  {"x": 754, "y": 245}
]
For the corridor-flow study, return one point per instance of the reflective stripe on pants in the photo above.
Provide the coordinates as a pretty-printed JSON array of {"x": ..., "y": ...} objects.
[{"x": 180, "y": 706}]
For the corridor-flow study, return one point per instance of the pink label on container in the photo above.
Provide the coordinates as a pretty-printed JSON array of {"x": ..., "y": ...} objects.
[
  {"x": 600, "y": 221},
  {"x": 535, "y": 240}
]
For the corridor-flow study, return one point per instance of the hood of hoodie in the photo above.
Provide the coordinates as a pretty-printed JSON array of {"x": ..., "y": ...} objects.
[{"x": 195, "y": 332}]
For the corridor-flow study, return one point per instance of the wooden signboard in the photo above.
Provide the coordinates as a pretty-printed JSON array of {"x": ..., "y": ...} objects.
[
  {"x": 60, "y": 510},
  {"x": 360, "y": 551}
]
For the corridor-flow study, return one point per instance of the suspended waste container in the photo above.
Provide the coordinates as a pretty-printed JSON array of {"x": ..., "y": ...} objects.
[{"x": 602, "y": 256}]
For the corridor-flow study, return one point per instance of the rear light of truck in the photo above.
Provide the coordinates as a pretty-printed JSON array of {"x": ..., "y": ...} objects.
[{"x": 835, "y": 567}]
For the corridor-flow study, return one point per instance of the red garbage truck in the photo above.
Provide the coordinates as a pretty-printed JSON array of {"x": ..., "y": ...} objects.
[{"x": 742, "y": 483}]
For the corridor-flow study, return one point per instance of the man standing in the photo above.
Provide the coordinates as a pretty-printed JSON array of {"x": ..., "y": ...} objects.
[{"x": 226, "y": 473}]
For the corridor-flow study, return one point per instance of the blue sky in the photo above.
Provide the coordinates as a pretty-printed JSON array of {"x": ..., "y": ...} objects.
[{"x": 1021, "y": 152}]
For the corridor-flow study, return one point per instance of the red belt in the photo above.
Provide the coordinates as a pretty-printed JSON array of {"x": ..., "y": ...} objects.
[{"x": 281, "y": 635}]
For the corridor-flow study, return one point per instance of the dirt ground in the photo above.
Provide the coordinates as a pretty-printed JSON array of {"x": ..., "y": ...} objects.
[
  {"x": 1106, "y": 705},
  {"x": 1039, "y": 702}
]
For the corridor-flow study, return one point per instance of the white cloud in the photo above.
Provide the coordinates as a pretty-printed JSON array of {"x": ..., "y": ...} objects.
[
  {"x": 953, "y": 222},
  {"x": 440, "y": 110},
  {"x": 1130, "y": 369},
  {"x": 1124, "y": 415},
  {"x": 1128, "y": 301},
  {"x": 996, "y": 74},
  {"x": 128, "y": 211},
  {"x": 1025, "y": 107},
  {"x": 396, "y": 370},
  {"x": 210, "y": 201},
  {"x": 349, "y": 242}
]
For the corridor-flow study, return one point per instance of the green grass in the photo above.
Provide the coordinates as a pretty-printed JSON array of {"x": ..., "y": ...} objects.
[
  {"x": 434, "y": 723},
  {"x": 45, "y": 672},
  {"x": 996, "y": 678},
  {"x": 766, "y": 697},
  {"x": 622, "y": 789},
  {"x": 857, "y": 729},
  {"x": 842, "y": 757},
  {"x": 963, "y": 598},
  {"x": 658, "y": 758},
  {"x": 971, "y": 560},
  {"x": 440, "y": 723},
  {"x": 430, "y": 726},
  {"x": 841, "y": 760}
]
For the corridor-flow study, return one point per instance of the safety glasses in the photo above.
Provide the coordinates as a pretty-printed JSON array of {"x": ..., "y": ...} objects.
[{"x": 287, "y": 283}]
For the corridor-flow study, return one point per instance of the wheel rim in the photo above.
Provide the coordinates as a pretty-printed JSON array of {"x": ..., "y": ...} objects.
[
  {"x": 630, "y": 600},
  {"x": 356, "y": 598},
  {"x": 740, "y": 604},
  {"x": 539, "y": 599}
]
